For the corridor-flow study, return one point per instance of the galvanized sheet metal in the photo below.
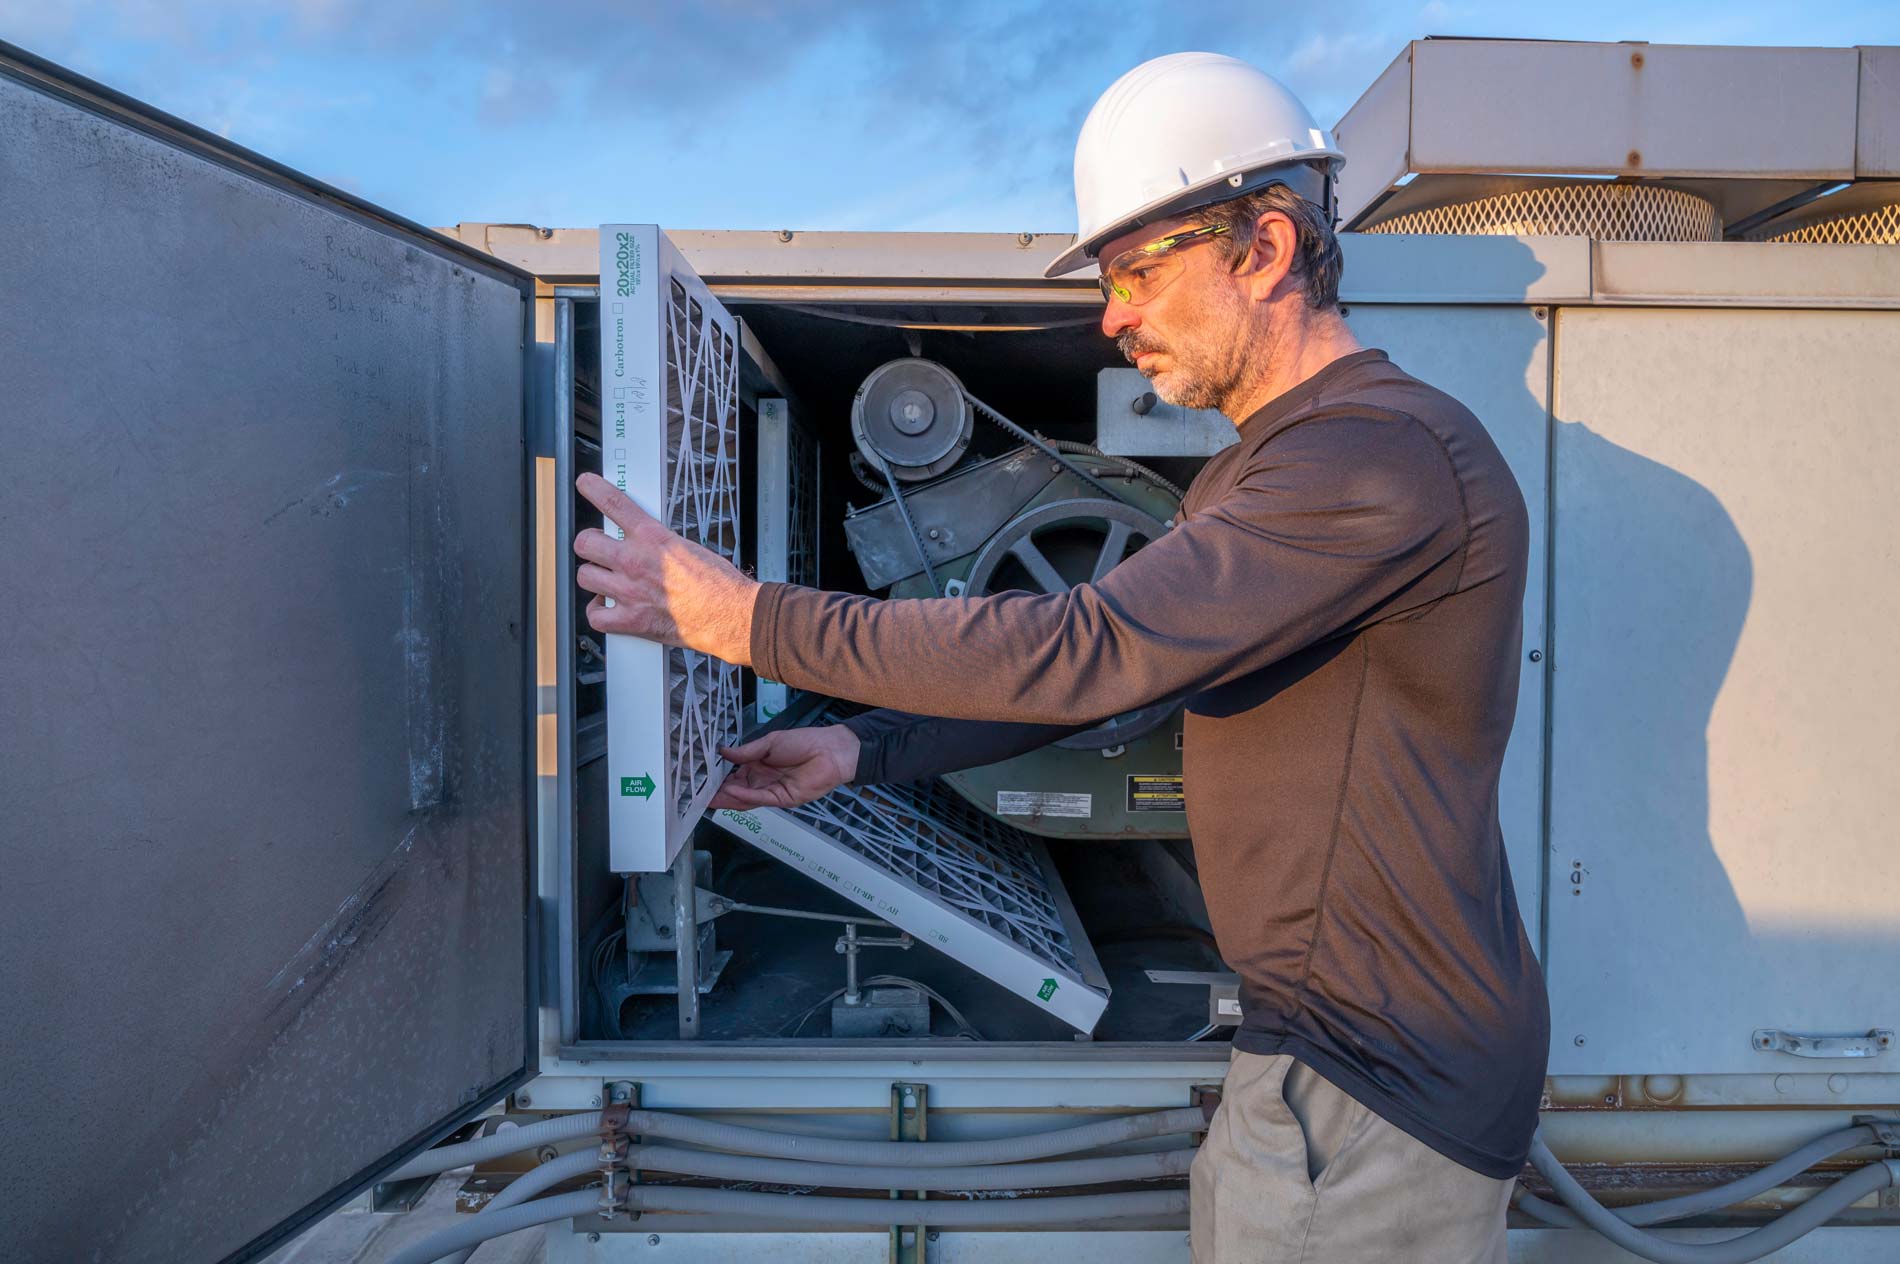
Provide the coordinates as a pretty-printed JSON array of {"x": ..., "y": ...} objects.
[
  {"x": 1722, "y": 708},
  {"x": 262, "y": 815}
]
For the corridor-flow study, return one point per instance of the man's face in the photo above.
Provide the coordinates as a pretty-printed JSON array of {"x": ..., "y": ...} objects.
[{"x": 1190, "y": 338}]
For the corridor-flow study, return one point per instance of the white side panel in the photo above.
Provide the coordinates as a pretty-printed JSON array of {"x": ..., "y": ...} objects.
[
  {"x": 670, "y": 440},
  {"x": 1376, "y": 137},
  {"x": 1726, "y": 700},
  {"x": 1496, "y": 361},
  {"x": 1650, "y": 109},
  {"x": 1877, "y": 134}
]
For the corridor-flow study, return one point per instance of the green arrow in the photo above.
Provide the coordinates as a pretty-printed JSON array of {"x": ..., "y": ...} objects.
[
  {"x": 1047, "y": 990},
  {"x": 641, "y": 786}
]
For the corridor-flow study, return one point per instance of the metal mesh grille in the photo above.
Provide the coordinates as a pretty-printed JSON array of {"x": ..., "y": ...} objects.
[
  {"x": 702, "y": 504},
  {"x": 1606, "y": 211},
  {"x": 934, "y": 841},
  {"x": 1877, "y": 226}
]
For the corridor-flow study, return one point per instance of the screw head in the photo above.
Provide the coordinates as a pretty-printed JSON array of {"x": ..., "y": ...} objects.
[
  {"x": 522, "y": 1099},
  {"x": 1580, "y": 1042},
  {"x": 593, "y": 1237},
  {"x": 784, "y": 234},
  {"x": 653, "y": 1239},
  {"x": 1537, "y": 656}
]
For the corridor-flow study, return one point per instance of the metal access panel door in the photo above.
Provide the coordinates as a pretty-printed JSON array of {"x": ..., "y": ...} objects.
[
  {"x": 263, "y": 761},
  {"x": 1496, "y": 361},
  {"x": 1725, "y": 705}
]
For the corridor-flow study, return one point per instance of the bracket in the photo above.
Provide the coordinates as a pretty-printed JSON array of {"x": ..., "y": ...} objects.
[
  {"x": 1868, "y": 1044},
  {"x": 910, "y": 1105}
]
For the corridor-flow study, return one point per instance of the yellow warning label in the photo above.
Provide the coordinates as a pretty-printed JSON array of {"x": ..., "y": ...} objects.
[{"x": 1151, "y": 792}]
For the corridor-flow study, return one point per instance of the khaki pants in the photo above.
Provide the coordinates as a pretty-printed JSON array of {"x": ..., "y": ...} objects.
[{"x": 1296, "y": 1172}]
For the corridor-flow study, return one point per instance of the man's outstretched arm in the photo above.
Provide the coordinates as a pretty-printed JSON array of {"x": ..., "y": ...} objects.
[{"x": 1336, "y": 523}]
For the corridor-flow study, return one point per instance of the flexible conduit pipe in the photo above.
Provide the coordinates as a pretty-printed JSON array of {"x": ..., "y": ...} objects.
[
  {"x": 1040, "y": 1145},
  {"x": 733, "y": 1167},
  {"x": 877, "y": 1213},
  {"x": 475, "y": 1230},
  {"x": 1771, "y": 1237},
  {"x": 786, "y": 1145},
  {"x": 522, "y": 1188},
  {"x": 1708, "y": 1200},
  {"x": 493, "y": 1146}
]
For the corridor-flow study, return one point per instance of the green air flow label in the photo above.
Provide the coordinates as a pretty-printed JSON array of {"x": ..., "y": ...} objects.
[
  {"x": 641, "y": 787},
  {"x": 1047, "y": 990},
  {"x": 1149, "y": 792}
]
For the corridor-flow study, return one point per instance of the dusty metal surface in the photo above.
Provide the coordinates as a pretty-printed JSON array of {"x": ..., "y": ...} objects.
[
  {"x": 264, "y": 685},
  {"x": 1721, "y": 694}
]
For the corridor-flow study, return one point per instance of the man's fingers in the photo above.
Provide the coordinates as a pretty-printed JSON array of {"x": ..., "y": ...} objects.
[
  {"x": 598, "y": 579},
  {"x": 611, "y": 501},
  {"x": 736, "y": 795},
  {"x": 597, "y": 546},
  {"x": 751, "y": 752}
]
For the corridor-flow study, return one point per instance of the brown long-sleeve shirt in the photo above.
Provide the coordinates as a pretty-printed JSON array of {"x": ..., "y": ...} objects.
[{"x": 1340, "y": 604}]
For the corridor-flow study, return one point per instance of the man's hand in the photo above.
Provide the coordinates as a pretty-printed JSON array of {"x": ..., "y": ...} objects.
[
  {"x": 664, "y": 588},
  {"x": 789, "y": 767}
]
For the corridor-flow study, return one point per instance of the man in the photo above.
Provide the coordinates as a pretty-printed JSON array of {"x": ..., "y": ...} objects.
[{"x": 1340, "y": 606}]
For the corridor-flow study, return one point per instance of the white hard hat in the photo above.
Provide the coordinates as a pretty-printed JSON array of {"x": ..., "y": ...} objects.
[{"x": 1183, "y": 131}]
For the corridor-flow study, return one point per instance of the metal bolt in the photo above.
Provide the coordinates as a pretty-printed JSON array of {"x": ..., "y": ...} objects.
[
  {"x": 934, "y": 533},
  {"x": 593, "y": 1237},
  {"x": 522, "y": 1099},
  {"x": 1635, "y": 158},
  {"x": 784, "y": 234},
  {"x": 1636, "y": 60},
  {"x": 594, "y": 1100},
  {"x": 1609, "y": 1099},
  {"x": 1579, "y": 1042},
  {"x": 932, "y": 1235},
  {"x": 1025, "y": 239},
  {"x": 666, "y": 932},
  {"x": 653, "y": 1239},
  {"x": 545, "y": 1154},
  {"x": 1537, "y": 656},
  {"x": 1344, "y": 310},
  {"x": 545, "y": 233},
  {"x": 1539, "y": 313}
]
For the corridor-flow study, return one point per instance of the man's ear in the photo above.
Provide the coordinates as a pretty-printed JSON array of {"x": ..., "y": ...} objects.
[{"x": 1271, "y": 257}]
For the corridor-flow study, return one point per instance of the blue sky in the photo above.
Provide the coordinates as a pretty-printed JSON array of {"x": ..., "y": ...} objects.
[{"x": 749, "y": 114}]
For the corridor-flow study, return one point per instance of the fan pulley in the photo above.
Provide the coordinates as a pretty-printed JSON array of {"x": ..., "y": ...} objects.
[
  {"x": 1054, "y": 547},
  {"x": 912, "y": 418}
]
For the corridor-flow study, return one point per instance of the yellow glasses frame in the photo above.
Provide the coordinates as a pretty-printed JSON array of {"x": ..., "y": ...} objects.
[{"x": 1139, "y": 273}]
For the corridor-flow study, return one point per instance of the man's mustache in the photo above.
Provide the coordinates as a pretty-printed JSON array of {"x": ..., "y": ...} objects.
[{"x": 1132, "y": 344}]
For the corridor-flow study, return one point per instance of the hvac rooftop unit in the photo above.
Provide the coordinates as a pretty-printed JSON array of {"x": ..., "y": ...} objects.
[{"x": 670, "y": 440}]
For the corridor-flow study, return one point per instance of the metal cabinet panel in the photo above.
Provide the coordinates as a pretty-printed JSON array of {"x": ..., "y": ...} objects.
[
  {"x": 1495, "y": 360},
  {"x": 1723, "y": 710},
  {"x": 263, "y": 765}
]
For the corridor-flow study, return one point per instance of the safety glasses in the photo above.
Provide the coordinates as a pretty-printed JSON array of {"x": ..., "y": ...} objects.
[{"x": 1138, "y": 274}]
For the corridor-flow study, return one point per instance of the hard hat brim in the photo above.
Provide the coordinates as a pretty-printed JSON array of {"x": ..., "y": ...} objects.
[{"x": 1216, "y": 188}]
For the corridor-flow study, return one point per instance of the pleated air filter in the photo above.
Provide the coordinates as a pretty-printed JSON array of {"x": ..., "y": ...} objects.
[
  {"x": 670, "y": 440},
  {"x": 927, "y": 862}
]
